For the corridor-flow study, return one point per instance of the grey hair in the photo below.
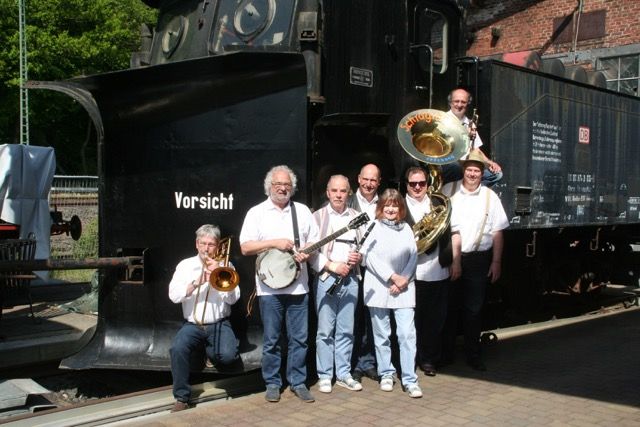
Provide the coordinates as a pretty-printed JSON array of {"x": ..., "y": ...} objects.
[
  {"x": 450, "y": 96},
  {"x": 339, "y": 177},
  {"x": 269, "y": 178},
  {"x": 208, "y": 230}
]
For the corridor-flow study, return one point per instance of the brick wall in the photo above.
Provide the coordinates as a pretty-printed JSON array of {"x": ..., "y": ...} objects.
[{"x": 528, "y": 25}]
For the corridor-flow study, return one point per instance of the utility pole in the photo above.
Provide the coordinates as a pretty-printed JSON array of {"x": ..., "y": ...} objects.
[{"x": 24, "y": 95}]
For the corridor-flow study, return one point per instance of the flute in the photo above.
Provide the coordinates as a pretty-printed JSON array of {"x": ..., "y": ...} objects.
[{"x": 356, "y": 248}]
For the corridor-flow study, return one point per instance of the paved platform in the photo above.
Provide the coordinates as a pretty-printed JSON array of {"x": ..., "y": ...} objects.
[{"x": 564, "y": 373}]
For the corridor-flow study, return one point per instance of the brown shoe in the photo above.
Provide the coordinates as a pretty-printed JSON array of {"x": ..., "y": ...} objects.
[{"x": 179, "y": 406}]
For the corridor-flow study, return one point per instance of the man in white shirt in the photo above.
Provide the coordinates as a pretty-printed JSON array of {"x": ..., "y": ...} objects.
[
  {"x": 459, "y": 100},
  {"x": 205, "y": 310},
  {"x": 336, "y": 306},
  {"x": 268, "y": 226},
  {"x": 365, "y": 199},
  {"x": 432, "y": 276},
  {"x": 477, "y": 221}
]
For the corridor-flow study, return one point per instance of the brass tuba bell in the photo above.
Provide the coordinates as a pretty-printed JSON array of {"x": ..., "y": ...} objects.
[
  {"x": 436, "y": 138},
  {"x": 224, "y": 278}
]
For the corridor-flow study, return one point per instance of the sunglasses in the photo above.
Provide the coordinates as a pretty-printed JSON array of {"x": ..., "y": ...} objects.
[{"x": 414, "y": 184}]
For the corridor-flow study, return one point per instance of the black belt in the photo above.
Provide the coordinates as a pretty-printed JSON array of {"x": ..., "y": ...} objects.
[{"x": 476, "y": 253}]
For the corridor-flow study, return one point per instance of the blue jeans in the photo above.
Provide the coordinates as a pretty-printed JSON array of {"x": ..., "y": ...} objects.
[
  {"x": 406, "y": 333},
  {"x": 220, "y": 344},
  {"x": 277, "y": 311},
  {"x": 335, "y": 326},
  {"x": 467, "y": 299},
  {"x": 364, "y": 351},
  {"x": 432, "y": 299}
]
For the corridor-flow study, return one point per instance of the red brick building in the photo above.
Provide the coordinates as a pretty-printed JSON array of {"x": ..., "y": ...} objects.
[{"x": 602, "y": 35}]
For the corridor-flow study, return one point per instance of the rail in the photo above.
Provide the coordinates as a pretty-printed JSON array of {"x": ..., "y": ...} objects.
[{"x": 70, "y": 264}]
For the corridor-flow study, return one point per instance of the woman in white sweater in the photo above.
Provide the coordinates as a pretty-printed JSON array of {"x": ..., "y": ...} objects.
[{"x": 390, "y": 256}]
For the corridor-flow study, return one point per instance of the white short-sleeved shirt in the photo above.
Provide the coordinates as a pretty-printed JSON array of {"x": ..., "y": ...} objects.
[
  {"x": 477, "y": 142},
  {"x": 428, "y": 268},
  {"x": 267, "y": 221},
  {"x": 468, "y": 213}
]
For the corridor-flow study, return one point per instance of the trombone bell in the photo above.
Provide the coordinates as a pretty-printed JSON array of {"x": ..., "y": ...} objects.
[{"x": 224, "y": 278}]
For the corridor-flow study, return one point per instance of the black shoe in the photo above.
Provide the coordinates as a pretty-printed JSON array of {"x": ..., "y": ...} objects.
[
  {"x": 303, "y": 393},
  {"x": 370, "y": 373},
  {"x": 272, "y": 394},
  {"x": 477, "y": 364},
  {"x": 428, "y": 369}
]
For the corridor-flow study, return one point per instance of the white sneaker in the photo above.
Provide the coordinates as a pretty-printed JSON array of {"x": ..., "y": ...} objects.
[
  {"x": 386, "y": 384},
  {"x": 324, "y": 385},
  {"x": 414, "y": 390},
  {"x": 349, "y": 383}
]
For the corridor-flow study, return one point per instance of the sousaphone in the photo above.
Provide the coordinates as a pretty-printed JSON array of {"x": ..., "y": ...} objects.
[{"x": 436, "y": 138}]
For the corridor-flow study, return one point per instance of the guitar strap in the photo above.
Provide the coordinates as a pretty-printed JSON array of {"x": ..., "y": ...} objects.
[{"x": 294, "y": 221}]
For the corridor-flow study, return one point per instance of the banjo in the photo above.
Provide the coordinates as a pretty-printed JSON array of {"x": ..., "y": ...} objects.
[{"x": 278, "y": 269}]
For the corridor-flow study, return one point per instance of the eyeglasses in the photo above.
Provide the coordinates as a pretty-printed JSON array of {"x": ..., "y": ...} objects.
[
  {"x": 207, "y": 244},
  {"x": 414, "y": 184},
  {"x": 281, "y": 184}
]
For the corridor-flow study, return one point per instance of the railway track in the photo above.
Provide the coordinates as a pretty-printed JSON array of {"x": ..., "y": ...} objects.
[{"x": 117, "y": 408}]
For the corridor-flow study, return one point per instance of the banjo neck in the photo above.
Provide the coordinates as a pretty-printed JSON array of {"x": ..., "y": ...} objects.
[
  {"x": 320, "y": 243},
  {"x": 354, "y": 223}
]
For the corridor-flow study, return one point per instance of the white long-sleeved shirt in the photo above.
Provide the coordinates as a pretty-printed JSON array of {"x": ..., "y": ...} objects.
[
  {"x": 217, "y": 305},
  {"x": 387, "y": 251},
  {"x": 428, "y": 268}
]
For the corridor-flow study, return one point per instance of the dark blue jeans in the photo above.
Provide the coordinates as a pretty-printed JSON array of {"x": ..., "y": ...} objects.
[
  {"x": 467, "y": 298},
  {"x": 277, "y": 311},
  {"x": 220, "y": 344},
  {"x": 432, "y": 299}
]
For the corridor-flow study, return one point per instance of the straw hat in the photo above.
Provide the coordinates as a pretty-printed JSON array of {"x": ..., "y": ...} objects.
[{"x": 475, "y": 158}]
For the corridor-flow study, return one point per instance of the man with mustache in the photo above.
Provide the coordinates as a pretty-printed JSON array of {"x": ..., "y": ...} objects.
[{"x": 269, "y": 225}]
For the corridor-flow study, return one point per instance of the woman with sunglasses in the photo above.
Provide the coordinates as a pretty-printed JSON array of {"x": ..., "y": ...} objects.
[{"x": 390, "y": 256}]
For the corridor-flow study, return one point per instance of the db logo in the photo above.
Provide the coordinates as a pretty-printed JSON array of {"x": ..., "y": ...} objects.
[{"x": 583, "y": 135}]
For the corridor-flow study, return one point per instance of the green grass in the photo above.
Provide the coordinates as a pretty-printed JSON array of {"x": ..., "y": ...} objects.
[{"x": 85, "y": 247}]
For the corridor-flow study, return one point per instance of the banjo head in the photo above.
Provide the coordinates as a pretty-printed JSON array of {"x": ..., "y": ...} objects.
[{"x": 277, "y": 269}]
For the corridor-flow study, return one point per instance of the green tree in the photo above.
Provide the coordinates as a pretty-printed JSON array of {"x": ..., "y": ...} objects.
[{"x": 65, "y": 38}]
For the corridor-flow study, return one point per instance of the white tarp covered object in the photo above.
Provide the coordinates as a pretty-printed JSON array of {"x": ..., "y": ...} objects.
[{"x": 26, "y": 174}]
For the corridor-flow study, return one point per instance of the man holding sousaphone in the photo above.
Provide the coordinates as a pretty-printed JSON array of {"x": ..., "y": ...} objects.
[
  {"x": 273, "y": 229},
  {"x": 206, "y": 306}
]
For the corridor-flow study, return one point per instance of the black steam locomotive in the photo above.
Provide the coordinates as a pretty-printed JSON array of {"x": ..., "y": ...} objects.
[{"x": 225, "y": 89}]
